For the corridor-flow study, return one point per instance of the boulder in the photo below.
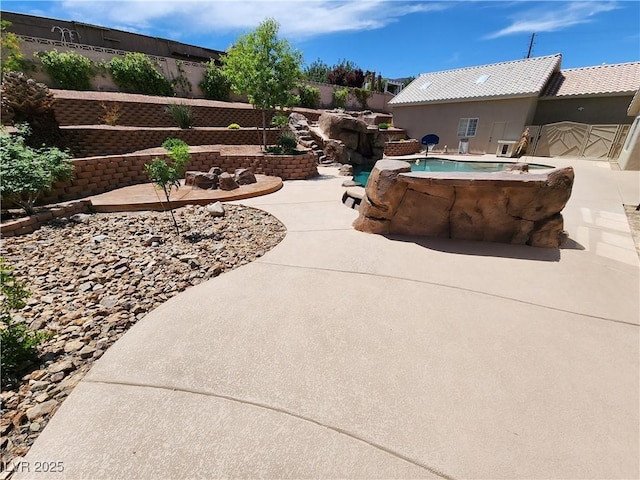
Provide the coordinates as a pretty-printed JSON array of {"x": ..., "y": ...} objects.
[
  {"x": 215, "y": 209},
  {"x": 216, "y": 170},
  {"x": 244, "y": 176},
  {"x": 227, "y": 182},
  {"x": 206, "y": 181}
]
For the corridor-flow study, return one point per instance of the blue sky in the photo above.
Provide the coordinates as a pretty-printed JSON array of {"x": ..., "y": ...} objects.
[{"x": 396, "y": 38}]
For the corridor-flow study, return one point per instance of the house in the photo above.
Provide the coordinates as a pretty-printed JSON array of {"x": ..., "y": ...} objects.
[
  {"x": 581, "y": 112},
  {"x": 108, "y": 38},
  {"x": 471, "y": 109}
]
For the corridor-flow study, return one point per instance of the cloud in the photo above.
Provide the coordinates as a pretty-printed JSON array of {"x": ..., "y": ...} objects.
[
  {"x": 555, "y": 16},
  {"x": 300, "y": 19}
]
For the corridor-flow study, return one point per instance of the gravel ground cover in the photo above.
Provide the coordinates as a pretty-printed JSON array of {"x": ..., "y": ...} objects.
[{"x": 93, "y": 276}]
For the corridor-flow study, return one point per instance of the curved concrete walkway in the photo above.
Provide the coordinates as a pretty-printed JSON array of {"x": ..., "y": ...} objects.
[{"x": 346, "y": 355}]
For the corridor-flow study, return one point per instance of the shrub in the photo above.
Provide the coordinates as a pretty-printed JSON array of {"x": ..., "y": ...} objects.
[
  {"x": 309, "y": 96},
  {"x": 27, "y": 172},
  {"x": 340, "y": 98},
  {"x": 383, "y": 126},
  {"x": 215, "y": 85},
  {"x": 317, "y": 71},
  {"x": 19, "y": 344},
  {"x": 234, "y": 126},
  {"x": 111, "y": 113},
  {"x": 181, "y": 113},
  {"x": 136, "y": 73},
  {"x": 166, "y": 175},
  {"x": 362, "y": 95},
  {"x": 67, "y": 69},
  {"x": 286, "y": 145}
]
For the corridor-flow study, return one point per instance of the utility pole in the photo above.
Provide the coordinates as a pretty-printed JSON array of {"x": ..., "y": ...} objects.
[{"x": 533, "y": 35}]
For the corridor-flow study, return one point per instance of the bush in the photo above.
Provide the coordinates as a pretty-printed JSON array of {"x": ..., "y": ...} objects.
[
  {"x": 309, "y": 96},
  {"x": 340, "y": 98},
  {"x": 215, "y": 85},
  {"x": 67, "y": 69},
  {"x": 27, "y": 172},
  {"x": 136, "y": 73},
  {"x": 362, "y": 95},
  {"x": 182, "y": 114},
  {"x": 234, "y": 126},
  {"x": 19, "y": 344},
  {"x": 286, "y": 145},
  {"x": 384, "y": 126}
]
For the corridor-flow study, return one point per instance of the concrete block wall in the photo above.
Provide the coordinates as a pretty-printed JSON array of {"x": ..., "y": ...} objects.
[
  {"x": 22, "y": 226},
  {"x": 89, "y": 141},
  {"x": 95, "y": 175},
  {"x": 397, "y": 148}
]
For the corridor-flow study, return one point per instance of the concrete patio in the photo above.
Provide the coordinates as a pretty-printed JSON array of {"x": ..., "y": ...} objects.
[{"x": 341, "y": 354}]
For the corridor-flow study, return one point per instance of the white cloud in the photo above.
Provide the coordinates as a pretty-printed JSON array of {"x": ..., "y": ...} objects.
[
  {"x": 298, "y": 18},
  {"x": 555, "y": 16}
]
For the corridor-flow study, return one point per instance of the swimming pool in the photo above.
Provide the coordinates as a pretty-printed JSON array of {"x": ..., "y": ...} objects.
[{"x": 434, "y": 164}]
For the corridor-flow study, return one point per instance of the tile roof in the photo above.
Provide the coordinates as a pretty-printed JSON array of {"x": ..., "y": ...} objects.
[
  {"x": 519, "y": 78},
  {"x": 597, "y": 80}
]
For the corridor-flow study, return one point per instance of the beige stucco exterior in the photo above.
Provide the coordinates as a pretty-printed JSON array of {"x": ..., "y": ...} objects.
[
  {"x": 629, "y": 158},
  {"x": 590, "y": 110},
  {"x": 497, "y": 120}
]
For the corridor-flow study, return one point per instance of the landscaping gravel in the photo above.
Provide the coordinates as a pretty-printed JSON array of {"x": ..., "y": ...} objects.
[{"x": 93, "y": 276}]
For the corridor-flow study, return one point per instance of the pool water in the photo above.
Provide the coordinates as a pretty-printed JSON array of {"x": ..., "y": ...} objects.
[{"x": 434, "y": 164}]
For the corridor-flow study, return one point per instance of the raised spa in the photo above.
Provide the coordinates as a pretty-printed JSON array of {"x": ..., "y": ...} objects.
[
  {"x": 503, "y": 206},
  {"x": 434, "y": 164}
]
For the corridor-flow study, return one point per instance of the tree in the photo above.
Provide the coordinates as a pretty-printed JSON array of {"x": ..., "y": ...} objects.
[
  {"x": 317, "y": 71},
  {"x": 26, "y": 172},
  {"x": 346, "y": 74},
  {"x": 265, "y": 68},
  {"x": 9, "y": 49},
  {"x": 167, "y": 175}
]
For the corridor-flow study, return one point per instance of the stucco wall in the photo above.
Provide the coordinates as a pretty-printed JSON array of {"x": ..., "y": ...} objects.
[
  {"x": 629, "y": 158},
  {"x": 594, "y": 111},
  {"x": 442, "y": 120}
]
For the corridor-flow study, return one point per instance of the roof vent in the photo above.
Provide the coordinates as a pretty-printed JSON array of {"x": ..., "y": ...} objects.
[
  {"x": 482, "y": 78},
  {"x": 425, "y": 85}
]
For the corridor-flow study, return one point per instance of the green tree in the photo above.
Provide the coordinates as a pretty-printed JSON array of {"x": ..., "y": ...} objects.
[
  {"x": 265, "y": 68},
  {"x": 11, "y": 57},
  {"x": 166, "y": 175},
  {"x": 214, "y": 84},
  {"x": 26, "y": 172},
  {"x": 317, "y": 71}
]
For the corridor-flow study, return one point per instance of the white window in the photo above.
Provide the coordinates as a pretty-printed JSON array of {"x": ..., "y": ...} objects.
[{"x": 467, "y": 127}]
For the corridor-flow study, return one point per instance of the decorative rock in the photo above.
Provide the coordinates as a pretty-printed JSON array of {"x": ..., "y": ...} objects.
[
  {"x": 205, "y": 181},
  {"x": 73, "y": 346},
  {"x": 63, "y": 366},
  {"x": 351, "y": 183},
  {"x": 109, "y": 302},
  {"x": 80, "y": 218},
  {"x": 99, "y": 238},
  {"x": 215, "y": 209},
  {"x": 41, "y": 409},
  {"x": 244, "y": 176},
  {"x": 34, "y": 427},
  {"x": 150, "y": 238},
  {"x": 227, "y": 182},
  {"x": 346, "y": 171},
  {"x": 215, "y": 171}
]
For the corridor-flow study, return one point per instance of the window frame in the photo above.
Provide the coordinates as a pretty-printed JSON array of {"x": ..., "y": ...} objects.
[{"x": 468, "y": 131}]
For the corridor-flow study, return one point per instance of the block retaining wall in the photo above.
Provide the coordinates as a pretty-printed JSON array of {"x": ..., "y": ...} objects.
[
  {"x": 22, "y": 226},
  {"x": 408, "y": 147},
  {"x": 89, "y": 141},
  {"x": 95, "y": 175}
]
